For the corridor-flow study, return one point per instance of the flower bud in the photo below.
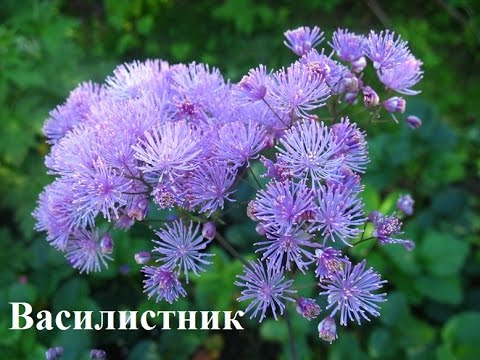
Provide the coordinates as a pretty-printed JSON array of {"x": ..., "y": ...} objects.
[
  {"x": 106, "y": 244},
  {"x": 251, "y": 211},
  {"x": 142, "y": 257},
  {"x": 359, "y": 64},
  {"x": 405, "y": 204},
  {"x": 54, "y": 353},
  {"x": 97, "y": 354},
  {"x": 124, "y": 222},
  {"x": 260, "y": 229},
  {"x": 370, "y": 97},
  {"x": 414, "y": 122},
  {"x": 327, "y": 329},
  {"x": 139, "y": 210},
  {"x": 308, "y": 308},
  {"x": 395, "y": 104},
  {"x": 209, "y": 230},
  {"x": 351, "y": 83},
  {"x": 350, "y": 97}
]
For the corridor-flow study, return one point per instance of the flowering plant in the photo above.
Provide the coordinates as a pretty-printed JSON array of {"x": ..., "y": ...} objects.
[{"x": 181, "y": 138}]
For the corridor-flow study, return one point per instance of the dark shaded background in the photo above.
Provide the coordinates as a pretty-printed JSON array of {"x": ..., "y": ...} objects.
[{"x": 47, "y": 47}]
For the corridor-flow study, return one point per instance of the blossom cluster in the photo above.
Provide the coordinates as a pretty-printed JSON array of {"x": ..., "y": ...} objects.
[{"x": 180, "y": 137}]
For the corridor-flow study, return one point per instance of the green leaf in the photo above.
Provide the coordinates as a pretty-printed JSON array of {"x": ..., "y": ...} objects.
[
  {"x": 444, "y": 289},
  {"x": 394, "y": 309},
  {"x": 461, "y": 335},
  {"x": 442, "y": 253}
]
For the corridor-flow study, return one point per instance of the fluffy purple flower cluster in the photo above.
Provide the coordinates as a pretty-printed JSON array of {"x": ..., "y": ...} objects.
[{"x": 179, "y": 138}]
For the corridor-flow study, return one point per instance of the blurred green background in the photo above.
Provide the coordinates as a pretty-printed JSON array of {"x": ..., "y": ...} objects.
[{"x": 433, "y": 312}]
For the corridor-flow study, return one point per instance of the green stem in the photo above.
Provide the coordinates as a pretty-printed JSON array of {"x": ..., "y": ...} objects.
[{"x": 291, "y": 340}]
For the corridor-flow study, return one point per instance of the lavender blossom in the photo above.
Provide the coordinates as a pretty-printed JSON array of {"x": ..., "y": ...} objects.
[
  {"x": 209, "y": 230},
  {"x": 211, "y": 185},
  {"x": 349, "y": 291},
  {"x": 352, "y": 146},
  {"x": 238, "y": 143},
  {"x": 340, "y": 213},
  {"x": 395, "y": 104},
  {"x": 370, "y": 97},
  {"x": 162, "y": 283},
  {"x": 413, "y": 122},
  {"x": 385, "y": 51},
  {"x": 403, "y": 76},
  {"x": 405, "y": 204},
  {"x": 303, "y": 39},
  {"x": 253, "y": 87},
  {"x": 308, "y": 308},
  {"x": 309, "y": 150},
  {"x": 328, "y": 261},
  {"x": 296, "y": 91},
  {"x": 75, "y": 111},
  {"x": 265, "y": 288},
  {"x": 84, "y": 251},
  {"x": 327, "y": 329},
  {"x": 179, "y": 248},
  {"x": 348, "y": 45},
  {"x": 282, "y": 204},
  {"x": 285, "y": 247},
  {"x": 169, "y": 150},
  {"x": 386, "y": 228}
]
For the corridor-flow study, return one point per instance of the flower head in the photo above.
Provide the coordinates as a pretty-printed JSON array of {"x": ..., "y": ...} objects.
[
  {"x": 282, "y": 204},
  {"x": 349, "y": 291},
  {"x": 252, "y": 87},
  {"x": 84, "y": 251},
  {"x": 385, "y": 51},
  {"x": 180, "y": 248},
  {"x": 348, "y": 45},
  {"x": 162, "y": 283},
  {"x": 265, "y": 288},
  {"x": 308, "y": 150},
  {"x": 328, "y": 261},
  {"x": 327, "y": 329},
  {"x": 403, "y": 76},
  {"x": 308, "y": 308},
  {"x": 405, "y": 204},
  {"x": 303, "y": 39},
  {"x": 386, "y": 228}
]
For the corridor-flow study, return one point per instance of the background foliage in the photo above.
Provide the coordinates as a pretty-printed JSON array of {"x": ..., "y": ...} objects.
[{"x": 47, "y": 47}]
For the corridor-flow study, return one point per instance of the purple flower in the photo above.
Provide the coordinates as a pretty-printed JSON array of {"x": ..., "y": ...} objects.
[
  {"x": 210, "y": 185},
  {"x": 133, "y": 80},
  {"x": 414, "y": 122},
  {"x": 327, "y": 329},
  {"x": 179, "y": 247},
  {"x": 75, "y": 111},
  {"x": 352, "y": 146},
  {"x": 350, "y": 292},
  {"x": 324, "y": 68},
  {"x": 106, "y": 244},
  {"x": 142, "y": 257},
  {"x": 169, "y": 150},
  {"x": 209, "y": 230},
  {"x": 265, "y": 288},
  {"x": 100, "y": 190},
  {"x": 167, "y": 193},
  {"x": 339, "y": 214},
  {"x": 124, "y": 222},
  {"x": 54, "y": 353},
  {"x": 386, "y": 228},
  {"x": 303, "y": 39},
  {"x": 97, "y": 354},
  {"x": 385, "y": 51},
  {"x": 238, "y": 143},
  {"x": 328, "y": 261},
  {"x": 282, "y": 204},
  {"x": 277, "y": 170},
  {"x": 395, "y": 104},
  {"x": 84, "y": 251},
  {"x": 348, "y": 45},
  {"x": 308, "y": 151},
  {"x": 297, "y": 91},
  {"x": 252, "y": 87},
  {"x": 402, "y": 76},
  {"x": 370, "y": 97},
  {"x": 284, "y": 247},
  {"x": 162, "y": 283},
  {"x": 308, "y": 308},
  {"x": 405, "y": 204}
]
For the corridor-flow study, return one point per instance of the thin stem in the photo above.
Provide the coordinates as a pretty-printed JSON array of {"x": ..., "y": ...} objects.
[
  {"x": 363, "y": 240},
  {"x": 291, "y": 339},
  {"x": 274, "y": 112},
  {"x": 226, "y": 245},
  {"x": 255, "y": 178}
]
